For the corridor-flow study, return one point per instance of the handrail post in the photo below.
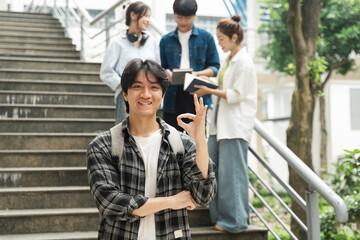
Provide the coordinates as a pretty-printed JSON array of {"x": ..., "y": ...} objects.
[
  {"x": 312, "y": 215},
  {"x": 107, "y": 31},
  {"x": 67, "y": 18},
  {"x": 54, "y": 8},
  {"x": 82, "y": 47}
]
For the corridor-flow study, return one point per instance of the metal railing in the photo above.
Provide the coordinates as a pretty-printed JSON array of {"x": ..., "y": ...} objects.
[
  {"x": 69, "y": 16},
  {"x": 93, "y": 33},
  {"x": 316, "y": 186}
]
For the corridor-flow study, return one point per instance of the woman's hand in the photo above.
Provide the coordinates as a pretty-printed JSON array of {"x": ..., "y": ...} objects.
[
  {"x": 202, "y": 90},
  {"x": 196, "y": 128}
]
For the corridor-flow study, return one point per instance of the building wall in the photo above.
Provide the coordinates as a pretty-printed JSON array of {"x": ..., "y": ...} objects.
[{"x": 342, "y": 135}]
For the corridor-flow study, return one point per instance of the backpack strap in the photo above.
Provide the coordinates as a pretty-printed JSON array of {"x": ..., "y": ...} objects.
[
  {"x": 117, "y": 141},
  {"x": 175, "y": 141}
]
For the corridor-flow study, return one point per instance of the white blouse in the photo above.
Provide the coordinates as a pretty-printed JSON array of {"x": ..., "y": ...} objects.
[{"x": 236, "y": 113}]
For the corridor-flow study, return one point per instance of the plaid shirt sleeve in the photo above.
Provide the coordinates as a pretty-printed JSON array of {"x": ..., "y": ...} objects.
[
  {"x": 104, "y": 181},
  {"x": 202, "y": 190}
]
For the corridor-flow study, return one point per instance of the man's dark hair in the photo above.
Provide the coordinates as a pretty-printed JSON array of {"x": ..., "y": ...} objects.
[
  {"x": 185, "y": 7},
  {"x": 149, "y": 66},
  {"x": 138, "y": 8}
]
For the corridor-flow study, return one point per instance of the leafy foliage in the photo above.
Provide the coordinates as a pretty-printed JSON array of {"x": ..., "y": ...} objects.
[
  {"x": 346, "y": 180},
  {"x": 339, "y": 35}
]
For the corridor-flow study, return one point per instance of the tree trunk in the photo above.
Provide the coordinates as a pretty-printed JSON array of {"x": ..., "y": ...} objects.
[
  {"x": 323, "y": 144},
  {"x": 303, "y": 23}
]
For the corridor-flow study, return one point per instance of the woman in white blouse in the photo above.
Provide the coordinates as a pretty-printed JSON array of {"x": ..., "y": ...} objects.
[{"x": 231, "y": 126}]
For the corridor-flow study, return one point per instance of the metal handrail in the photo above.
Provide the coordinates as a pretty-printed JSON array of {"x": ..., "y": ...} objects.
[
  {"x": 341, "y": 212},
  {"x": 106, "y": 12}
]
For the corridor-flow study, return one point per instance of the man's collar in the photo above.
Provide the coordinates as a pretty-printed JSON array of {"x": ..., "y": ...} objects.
[
  {"x": 126, "y": 131},
  {"x": 194, "y": 31}
]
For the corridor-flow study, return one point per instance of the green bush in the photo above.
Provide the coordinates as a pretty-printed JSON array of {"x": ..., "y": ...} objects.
[{"x": 346, "y": 180}]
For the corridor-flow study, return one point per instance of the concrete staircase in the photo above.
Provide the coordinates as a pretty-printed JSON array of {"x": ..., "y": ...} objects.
[{"x": 51, "y": 106}]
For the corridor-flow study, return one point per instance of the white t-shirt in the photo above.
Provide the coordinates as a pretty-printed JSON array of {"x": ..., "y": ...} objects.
[
  {"x": 149, "y": 148},
  {"x": 184, "y": 41}
]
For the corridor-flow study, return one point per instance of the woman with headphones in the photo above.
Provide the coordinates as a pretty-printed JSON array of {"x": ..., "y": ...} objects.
[{"x": 132, "y": 43}]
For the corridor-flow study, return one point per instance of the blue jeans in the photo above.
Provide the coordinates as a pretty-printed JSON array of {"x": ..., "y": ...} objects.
[
  {"x": 120, "y": 112},
  {"x": 230, "y": 208}
]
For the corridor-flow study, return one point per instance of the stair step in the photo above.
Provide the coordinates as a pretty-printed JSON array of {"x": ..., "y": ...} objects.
[
  {"x": 49, "y": 75},
  {"x": 18, "y": 37},
  {"x": 53, "y": 25},
  {"x": 197, "y": 233},
  {"x": 34, "y": 33},
  {"x": 38, "y": 97},
  {"x": 46, "y": 197},
  {"x": 48, "y": 64},
  {"x": 37, "y": 42},
  {"x": 42, "y": 158},
  {"x": 30, "y": 219},
  {"x": 53, "y": 85},
  {"x": 55, "y": 125},
  {"x": 48, "y": 220},
  {"x": 21, "y": 48},
  {"x": 24, "y": 29},
  {"x": 36, "y": 177},
  {"x": 91, "y": 235},
  {"x": 209, "y": 233},
  {"x": 26, "y": 15},
  {"x": 45, "y": 141},
  {"x": 55, "y": 111},
  {"x": 50, "y": 55}
]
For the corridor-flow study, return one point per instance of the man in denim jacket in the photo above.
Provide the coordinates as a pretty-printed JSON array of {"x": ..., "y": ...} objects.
[{"x": 186, "y": 47}]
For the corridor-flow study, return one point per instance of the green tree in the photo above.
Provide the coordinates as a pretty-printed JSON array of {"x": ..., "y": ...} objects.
[
  {"x": 296, "y": 37},
  {"x": 339, "y": 37}
]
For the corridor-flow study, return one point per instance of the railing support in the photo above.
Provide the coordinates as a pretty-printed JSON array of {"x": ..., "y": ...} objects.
[
  {"x": 67, "y": 18},
  {"x": 107, "y": 31},
  {"x": 312, "y": 215},
  {"x": 82, "y": 47}
]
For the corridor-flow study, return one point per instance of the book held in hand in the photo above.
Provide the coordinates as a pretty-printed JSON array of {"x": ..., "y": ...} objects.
[
  {"x": 192, "y": 80},
  {"x": 178, "y": 76}
]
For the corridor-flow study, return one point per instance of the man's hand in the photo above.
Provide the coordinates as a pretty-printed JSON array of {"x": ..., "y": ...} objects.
[
  {"x": 183, "y": 200},
  {"x": 196, "y": 128}
]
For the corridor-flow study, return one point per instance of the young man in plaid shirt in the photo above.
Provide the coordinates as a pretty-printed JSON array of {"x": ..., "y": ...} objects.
[{"x": 146, "y": 192}]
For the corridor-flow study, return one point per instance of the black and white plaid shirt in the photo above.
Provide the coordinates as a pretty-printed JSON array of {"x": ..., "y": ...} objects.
[{"x": 118, "y": 189}]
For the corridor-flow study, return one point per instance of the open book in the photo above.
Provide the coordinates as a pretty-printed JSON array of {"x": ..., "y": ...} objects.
[
  {"x": 192, "y": 80},
  {"x": 178, "y": 76}
]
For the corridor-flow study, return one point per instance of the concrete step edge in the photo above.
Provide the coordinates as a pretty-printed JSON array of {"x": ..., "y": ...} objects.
[
  {"x": 52, "y": 236},
  {"x": 12, "y": 70},
  {"x": 52, "y": 93},
  {"x": 15, "y": 34},
  {"x": 46, "y": 55},
  {"x": 37, "y": 42},
  {"x": 44, "y": 189},
  {"x": 47, "y": 60},
  {"x": 42, "y": 169},
  {"x": 89, "y": 235},
  {"x": 7, "y": 80},
  {"x": 60, "y": 49},
  {"x": 30, "y": 29},
  {"x": 49, "y": 134},
  {"x": 46, "y": 151},
  {"x": 26, "y": 13},
  {"x": 56, "y": 119},
  {"x": 47, "y": 212},
  {"x": 58, "y": 106}
]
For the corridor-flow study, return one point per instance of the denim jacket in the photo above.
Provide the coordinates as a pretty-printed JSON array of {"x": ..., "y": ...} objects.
[{"x": 202, "y": 53}]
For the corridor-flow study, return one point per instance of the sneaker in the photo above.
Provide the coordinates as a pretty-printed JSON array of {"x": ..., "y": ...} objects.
[{"x": 219, "y": 228}]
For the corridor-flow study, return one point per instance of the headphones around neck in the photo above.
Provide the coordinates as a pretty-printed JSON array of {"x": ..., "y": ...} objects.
[{"x": 133, "y": 37}]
